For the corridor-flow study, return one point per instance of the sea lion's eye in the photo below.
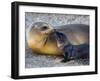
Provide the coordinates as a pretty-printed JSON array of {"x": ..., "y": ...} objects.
[{"x": 44, "y": 28}]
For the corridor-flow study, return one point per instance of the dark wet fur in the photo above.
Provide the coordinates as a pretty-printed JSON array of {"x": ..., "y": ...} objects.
[
  {"x": 76, "y": 51},
  {"x": 60, "y": 37}
]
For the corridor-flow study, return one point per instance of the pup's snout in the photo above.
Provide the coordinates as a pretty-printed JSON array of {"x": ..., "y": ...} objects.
[{"x": 54, "y": 30}]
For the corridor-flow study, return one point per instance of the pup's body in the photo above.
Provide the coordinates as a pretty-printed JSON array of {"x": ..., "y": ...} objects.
[{"x": 75, "y": 52}]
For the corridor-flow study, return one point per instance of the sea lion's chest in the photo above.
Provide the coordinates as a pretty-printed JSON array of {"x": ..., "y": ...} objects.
[{"x": 50, "y": 47}]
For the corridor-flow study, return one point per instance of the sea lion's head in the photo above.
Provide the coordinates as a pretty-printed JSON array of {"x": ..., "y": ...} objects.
[
  {"x": 41, "y": 28},
  {"x": 39, "y": 33}
]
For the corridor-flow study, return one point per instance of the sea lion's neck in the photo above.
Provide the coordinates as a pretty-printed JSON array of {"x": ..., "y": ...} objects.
[{"x": 37, "y": 39}]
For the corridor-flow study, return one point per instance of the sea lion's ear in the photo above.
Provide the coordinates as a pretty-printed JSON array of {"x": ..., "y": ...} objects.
[
  {"x": 31, "y": 27},
  {"x": 34, "y": 26}
]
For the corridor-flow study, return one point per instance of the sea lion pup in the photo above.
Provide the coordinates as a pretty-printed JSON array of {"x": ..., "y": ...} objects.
[
  {"x": 69, "y": 50},
  {"x": 41, "y": 37}
]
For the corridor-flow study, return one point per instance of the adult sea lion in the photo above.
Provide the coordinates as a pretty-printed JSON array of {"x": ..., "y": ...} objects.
[{"x": 41, "y": 37}]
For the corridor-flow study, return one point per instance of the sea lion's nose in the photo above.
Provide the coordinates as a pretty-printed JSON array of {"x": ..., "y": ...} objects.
[
  {"x": 50, "y": 30},
  {"x": 53, "y": 30}
]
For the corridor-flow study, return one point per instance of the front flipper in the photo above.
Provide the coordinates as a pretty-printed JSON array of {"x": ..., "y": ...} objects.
[
  {"x": 70, "y": 53},
  {"x": 65, "y": 58}
]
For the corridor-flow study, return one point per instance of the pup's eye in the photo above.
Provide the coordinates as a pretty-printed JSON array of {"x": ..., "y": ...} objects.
[{"x": 44, "y": 28}]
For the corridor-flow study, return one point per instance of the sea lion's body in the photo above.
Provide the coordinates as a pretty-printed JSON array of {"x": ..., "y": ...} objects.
[
  {"x": 47, "y": 44},
  {"x": 76, "y": 33}
]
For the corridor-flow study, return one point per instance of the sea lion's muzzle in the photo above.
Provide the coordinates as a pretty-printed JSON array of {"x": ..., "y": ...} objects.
[{"x": 48, "y": 32}]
